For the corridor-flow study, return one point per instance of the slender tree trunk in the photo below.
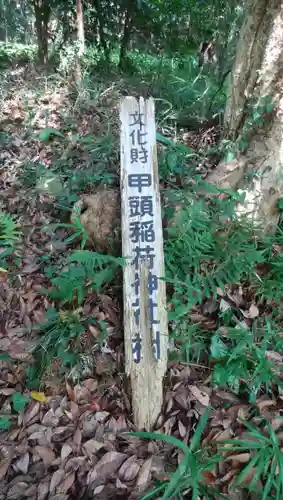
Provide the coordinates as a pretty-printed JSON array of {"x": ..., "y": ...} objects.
[
  {"x": 66, "y": 27},
  {"x": 102, "y": 41},
  {"x": 125, "y": 38},
  {"x": 254, "y": 110},
  {"x": 81, "y": 41},
  {"x": 2, "y": 34},
  {"x": 42, "y": 12},
  {"x": 80, "y": 28},
  {"x": 100, "y": 33}
]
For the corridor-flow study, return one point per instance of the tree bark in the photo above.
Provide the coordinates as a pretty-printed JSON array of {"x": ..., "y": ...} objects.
[
  {"x": 42, "y": 12},
  {"x": 81, "y": 41},
  {"x": 80, "y": 28},
  {"x": 125, "y": 38},
  {"x": 101, "y": 38},
  {"x": 254, "y": 109},
  {"x": 3, "y": 34}
]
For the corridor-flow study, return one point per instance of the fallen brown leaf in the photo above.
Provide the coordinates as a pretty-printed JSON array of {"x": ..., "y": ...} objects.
[
  {"x": 23, "y": 463},
  {"x": 31, "y": 412},
  {"x": 46, "y": 454},
  {"x": 98, "y": 490},
  {"x": 201, "y": 396},
  {"x": 70, "y": 392},
  {"x": 209, "y": 478},
  {"x": 91, "y": 447},
  {"x": 4, "y": 466},
  {"x": 49, "y": 419},
  {"x": 75, "y": 463},
  {"x": 77, "y": 439},
  {"x": 81, "y": 394},
  {"x": 7, "y": 391},
  {"x": 43, "y": 490},
  {"x": 56, "y": 479},
  {"x": 66, "y": 450},
  {"x": 252, "y": 313},
  {"x": 223, "y": 435},
  {"x": 62, "y": 433},
  {"x": 106, "y": 466},
  {"x": 144, "y": 475},
  {"x": 265, "y": 403},
  {"x": 129, "y": 470},
  {"x": 66, "y": 483},
  {"x": 182, "y": 429},
  {"x": 17, "y": 491},
  {"x": 241, "y": 458},
  {"x": 91, "y": 384},
  {"x": 274, "y": 356}
]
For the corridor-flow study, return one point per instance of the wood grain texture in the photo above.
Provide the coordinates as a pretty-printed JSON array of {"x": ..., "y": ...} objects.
[{"x": 145, "y": 312}]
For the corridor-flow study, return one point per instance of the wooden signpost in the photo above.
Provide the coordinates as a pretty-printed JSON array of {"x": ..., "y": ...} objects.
[{"x": 145, "y": 316}]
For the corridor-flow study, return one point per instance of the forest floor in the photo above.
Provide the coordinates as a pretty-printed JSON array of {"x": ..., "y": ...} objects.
[{"x": 65, "y": 411}]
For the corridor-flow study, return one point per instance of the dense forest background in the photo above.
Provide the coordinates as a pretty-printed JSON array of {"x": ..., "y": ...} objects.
[{"x": 129, "y": 34}]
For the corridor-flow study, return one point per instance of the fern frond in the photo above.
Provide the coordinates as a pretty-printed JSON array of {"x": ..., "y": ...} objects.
[
  {"x": 203, "y": 253},
  {"x": 9, "y": 231},
  {"x": 88, "y": 258},
  {"x": 85, "y": 270}
]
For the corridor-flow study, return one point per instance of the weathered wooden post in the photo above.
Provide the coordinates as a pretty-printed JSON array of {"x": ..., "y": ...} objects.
[{"x": 145, "y": 316}]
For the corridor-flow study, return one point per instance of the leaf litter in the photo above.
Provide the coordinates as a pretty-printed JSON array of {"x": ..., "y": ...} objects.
[{"x": 70, "y": 438}]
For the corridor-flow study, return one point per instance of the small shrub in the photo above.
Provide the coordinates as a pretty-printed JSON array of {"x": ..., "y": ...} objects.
[
  {"x": 9, "y": 234},
  {"x": 16, "y": 54},
  {"x": 84, "y": 271}
]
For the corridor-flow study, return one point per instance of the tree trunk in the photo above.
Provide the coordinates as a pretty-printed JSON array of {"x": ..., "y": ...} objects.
[
  {"x": 101, "y": 38},
  {"x": 254, "y": 109},
  {"x": 80, "y": 28},
  {"x": 125, "y": 38},
  {"x": 81, "y": 41},
  {"x": 42, "y": 12},
  {"x": 3, "y": 34}
]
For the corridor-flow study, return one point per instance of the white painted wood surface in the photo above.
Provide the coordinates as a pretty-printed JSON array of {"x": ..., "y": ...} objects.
[{"x": 145, "y": 315}]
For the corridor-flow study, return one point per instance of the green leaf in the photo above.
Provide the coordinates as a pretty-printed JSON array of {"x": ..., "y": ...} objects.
[
  {"x": 153, "y": 493},
  {"x": 169, "y": 142},
  {"x": 270, "y": 107},
  {"x": 230, "y": 156},
  {"x": 268, "y": 484},
  {"x": 162, "y": 437},
  {"x": 47, "y": 133},
  {"x": 217, "y": 348},
  {"x": 176, "y": 478},
  {"x": 245, "y": 472},
  {"x": 164, "y": 140},
  {"x": 72, "y": 237},
  {"x": 4, "y": 356},
  {"x": 172, "y": 160},
  {"x": 5, "y": 423},
  {"x": 19, "y": 401},
  {"x": 240, "y": 445},
  {"x": 195, "y": 441}
]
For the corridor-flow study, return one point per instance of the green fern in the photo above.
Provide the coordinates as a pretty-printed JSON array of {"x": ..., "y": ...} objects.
[
  {"x": 208, "y": 249},
  {"x": 84, "y": 271},
  {"x": 9, "y": 234},
  {"x": 264, "y": 446},
  {"x": 60, "y": 340},
  {"x": 270, "y": 287},
  {"x": 9, "y": 231},
  {"x": 241, "y": 362}
]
